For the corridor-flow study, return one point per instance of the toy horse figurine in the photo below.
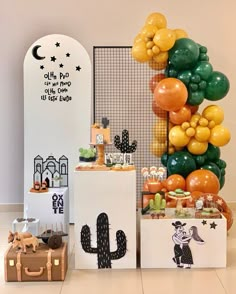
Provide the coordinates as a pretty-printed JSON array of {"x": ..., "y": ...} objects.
[
  {"x": 22, "y": 243},
  {"x": 11, "y": 236}
]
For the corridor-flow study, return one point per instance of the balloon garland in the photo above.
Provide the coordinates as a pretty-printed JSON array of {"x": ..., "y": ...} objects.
[{"x": 187, "y": 78}]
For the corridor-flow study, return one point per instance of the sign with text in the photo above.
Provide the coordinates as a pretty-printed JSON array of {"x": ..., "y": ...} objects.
[{"x": 57, "y": 104}]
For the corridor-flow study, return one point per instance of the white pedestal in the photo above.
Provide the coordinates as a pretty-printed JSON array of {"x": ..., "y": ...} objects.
[
  {"x": 101, "y": 198},
  {"x": 157, "y": 245},
  {"x": 26, "y": 226},
  {"x": 51, "y": 208}
]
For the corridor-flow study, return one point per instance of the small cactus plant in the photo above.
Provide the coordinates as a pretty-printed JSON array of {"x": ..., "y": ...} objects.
[
  {"x": 123, "y": 145},
  {"x": 105, "y": 122},
  {"x": 158, "y": 204}
]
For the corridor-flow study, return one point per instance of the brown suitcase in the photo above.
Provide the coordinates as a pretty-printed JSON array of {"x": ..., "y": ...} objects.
[{"x": 44, "y": 265}]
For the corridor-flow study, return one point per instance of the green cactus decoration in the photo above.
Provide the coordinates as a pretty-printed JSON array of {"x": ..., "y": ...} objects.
[
  {"x": 123, "y": 145},
  {"x": 104, "y": 255},
  {"x": 105, "y": 122},
  {"x": 158, "y": 204}
]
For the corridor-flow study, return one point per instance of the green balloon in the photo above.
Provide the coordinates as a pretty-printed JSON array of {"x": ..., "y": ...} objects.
[
  {"x": 164, "y": 159},
  {"x": 181, "y": 163},
  {"x": 212, "y": 153},
  {"x": 211, "y": 166},
  {"x": 221, "y": 163},
  {"x": 171, "y": 72},
  {"x": 185, "y": 76},
  {"x": 200, "y": 160},
  {"x": 217, "y": 86},
  {"x": 195, "y": 98},
  {"x": 222, "y": 171},
  {"x": 204, "y": 69},
  {"x": 184, "y": 54},
  {"x": 222, "y": 182}
]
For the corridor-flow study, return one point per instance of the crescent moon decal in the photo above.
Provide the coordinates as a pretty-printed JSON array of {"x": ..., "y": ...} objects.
[{"x": 35, "y": 53}]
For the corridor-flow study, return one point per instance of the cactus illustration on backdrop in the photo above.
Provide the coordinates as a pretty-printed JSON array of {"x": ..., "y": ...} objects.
[
  {"x": 123, "y": 145},
  {"x": 104, "y": 255}
]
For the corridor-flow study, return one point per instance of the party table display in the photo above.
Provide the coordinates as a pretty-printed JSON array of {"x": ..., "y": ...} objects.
[{"x": 95, "y": 159}]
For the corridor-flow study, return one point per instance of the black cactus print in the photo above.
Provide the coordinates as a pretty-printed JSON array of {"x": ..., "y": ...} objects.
[
  {"x": 104, "y": 255},
  {"x": 123, "y": 145}
]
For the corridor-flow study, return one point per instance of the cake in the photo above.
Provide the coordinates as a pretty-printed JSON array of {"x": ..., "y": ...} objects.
[{"x": 100, "y": 135}]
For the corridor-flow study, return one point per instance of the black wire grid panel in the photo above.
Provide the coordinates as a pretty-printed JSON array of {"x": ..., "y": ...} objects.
[{"x": 122, "y": 94}]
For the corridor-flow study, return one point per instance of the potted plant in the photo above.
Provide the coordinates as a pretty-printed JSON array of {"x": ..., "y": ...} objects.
[{"x": 87, "y": 155}]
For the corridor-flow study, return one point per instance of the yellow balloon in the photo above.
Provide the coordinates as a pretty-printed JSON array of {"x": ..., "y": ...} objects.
[
  {"x": 195, "y": 118},
  {"x": 164, "y": 39},
  {"x": 220, "y": 136},
  {"x": 148, "y": 31},
  {"x": 138, "y": 38},
  {"x": 157, "y": 65},
  {"x": 185, "y": 125},
  {"x": 160, "y": 131},
  {"x": 196, "y": 147},
  {"x": 190, "y": 132},
  {"x": 162, "y": 57},
  {"x": 202, "y": 134},
  {"x": 178, "y": 137},
  {"x": 157, "y": 148},
  {"x": 139, "y": 52},
  {"x": 215, "y": 113},
  {"x": 157, "y": 19},
  {"x": 203, "y": 122},
  {"x": 179, "y": 33}
]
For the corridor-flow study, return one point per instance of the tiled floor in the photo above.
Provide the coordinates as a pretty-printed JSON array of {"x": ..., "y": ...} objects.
[{"x": 215, "y": 281}]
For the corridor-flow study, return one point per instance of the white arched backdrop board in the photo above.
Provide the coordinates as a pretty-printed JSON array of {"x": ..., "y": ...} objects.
[{"x": 57, "y": 105}]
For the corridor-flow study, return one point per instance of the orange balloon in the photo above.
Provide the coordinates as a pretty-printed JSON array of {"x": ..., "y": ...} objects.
[
  {"x": 202, "y": 180},
  {"x": 181, "y": 115},
  {"x": 175, "y": 181},
  {"x": 155, "y": 80},
  {"x": 193, "y": 108},
  {"x": 158, "y": 111},
  {"x": 170, "y": 94}
]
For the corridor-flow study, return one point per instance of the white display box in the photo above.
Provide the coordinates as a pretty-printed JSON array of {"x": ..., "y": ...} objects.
[
  {"x": 51, "y": 208},
  {"x": 157, "y": 243},
  {"x": 105, "y": 216}
]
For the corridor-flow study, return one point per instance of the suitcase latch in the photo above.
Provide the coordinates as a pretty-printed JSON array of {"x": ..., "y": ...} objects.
[
  {"x": 56, "y": 262},
  {"x": 11, "y": 262}
]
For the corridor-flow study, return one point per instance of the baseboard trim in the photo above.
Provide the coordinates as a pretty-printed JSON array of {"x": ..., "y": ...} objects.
[{"x": 15, "y": 207}]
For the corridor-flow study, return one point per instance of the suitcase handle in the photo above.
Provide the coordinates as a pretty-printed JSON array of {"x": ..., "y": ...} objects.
[{"x": 34, "y": 274}]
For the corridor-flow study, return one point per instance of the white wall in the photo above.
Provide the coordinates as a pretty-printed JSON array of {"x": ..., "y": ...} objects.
[{"x": 103, "y": 22}]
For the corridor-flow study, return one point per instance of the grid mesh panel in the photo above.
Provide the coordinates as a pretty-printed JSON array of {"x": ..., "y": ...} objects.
[{"x": 122, "y": 94}]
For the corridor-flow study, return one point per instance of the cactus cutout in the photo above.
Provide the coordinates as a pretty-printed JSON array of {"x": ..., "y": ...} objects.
[
  {"x": 105, "y": 122},
  {"x": 104, "y": 255},
  {"x": 123, "y": 145},
  {"x": 158, "y": 203}
]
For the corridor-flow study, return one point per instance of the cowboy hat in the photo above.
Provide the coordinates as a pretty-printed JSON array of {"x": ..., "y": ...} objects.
[{"x": 178, "y": 224}]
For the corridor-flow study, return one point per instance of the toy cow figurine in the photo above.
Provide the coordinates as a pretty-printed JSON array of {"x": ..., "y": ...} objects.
[
  {"x": 11, "y": 235},
  {"x": 22, "y": 243}
]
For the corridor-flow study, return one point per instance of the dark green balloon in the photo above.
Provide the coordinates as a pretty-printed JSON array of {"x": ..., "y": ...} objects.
[
  {"x": 211, "y": 166},
  {"x": 164, "y": 159},
  {"x": 204, "y": 69},
  {"x": 184, "y": 54},
  {"x": 200, "y": 160},
  {"x": 181, "y": 163},
  {"x": 185, "y": 76},
  {"x": 212, "y": 153},
  {"x": 221, "y": 163},
  {"x": 217, "y": 86},
  {"x": 195, "y": 98},
  {"x": 222, "y": 181}
]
